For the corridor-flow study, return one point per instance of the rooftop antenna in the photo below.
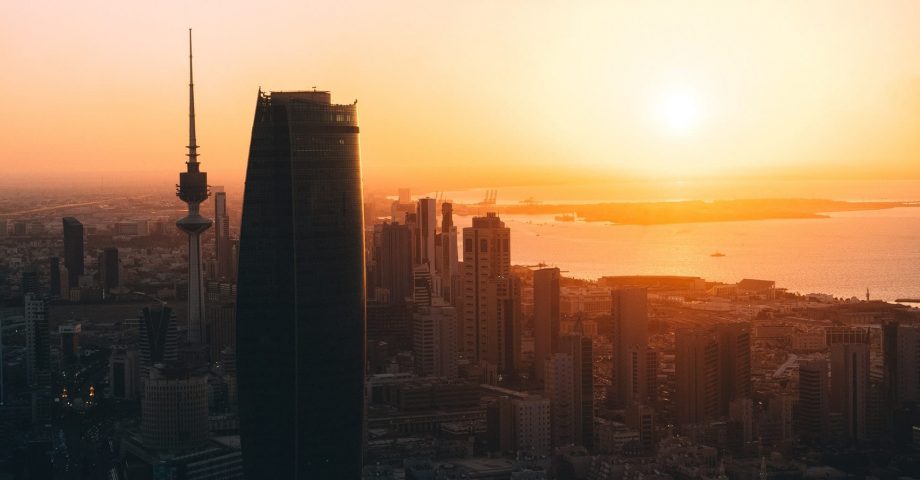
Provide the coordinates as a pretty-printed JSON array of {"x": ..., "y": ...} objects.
[{"x": 192, "y": 143}]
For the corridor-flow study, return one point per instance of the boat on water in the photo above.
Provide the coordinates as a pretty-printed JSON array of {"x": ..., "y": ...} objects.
[
  {"x": 717, "y": 254},
  {"x": 566, "y": 217}
]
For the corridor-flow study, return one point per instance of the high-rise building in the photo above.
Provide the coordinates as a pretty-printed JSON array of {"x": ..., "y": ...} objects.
[
  {"x": 435, "y": 340},
  {"x": 813, "y": 420},
  {"x": 109, "y": 269},
  {"x": 193, "y": 189},
  {"x": 641, "y": 418},
  {"x": 901, "y": 354},
  {"x": 486, "y": 262},
  {"x": 508, "y": 293},
  {"x": 559, "y": 388},
  {"x": 531, "y": 424},
  {"x": 391, "y": 324},
  {"x": 427, "y": 223},
  {"x": 629, "y": 312},
  {"x": 449, "y": 269},
  {"x": 54, "y": 269},
  {"x": 123, "y": 373},
  {"x": 223, "y": 248},
  {"x": 220, "y": 312},
  {"x": 735, "y": 368},
  {"x": 38, "y": 358},
  {"x": 30, "y": 284},
  {"x": 697, "y": 372},
  {"x": 545, "y": 316},
  {"x": 422, "y": 288},
  {"x": 850, "y": 386},
  {"x": 38, "y": 348},
  {"x": 301, "y": 298},
  {"x": 159, "y": 338},
  {"x": 73, "y": 250},
  {"x": 579, "y": 347},
  {"x": 394, "y": 261},
  {"x": 174, "y": 409},
  {"x": 70, "y": 342}
]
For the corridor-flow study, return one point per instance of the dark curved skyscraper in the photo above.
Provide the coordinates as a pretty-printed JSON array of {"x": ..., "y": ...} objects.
[{"x": 301, "y": 297}]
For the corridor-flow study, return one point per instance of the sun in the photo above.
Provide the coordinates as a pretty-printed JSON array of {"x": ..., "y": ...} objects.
[{"x": 678, "y": 110}]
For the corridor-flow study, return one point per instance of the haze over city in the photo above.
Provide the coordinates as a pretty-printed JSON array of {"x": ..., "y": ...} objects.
[
  {"x": 415, "y": 240},
  {"x": 501, "y": 94}
]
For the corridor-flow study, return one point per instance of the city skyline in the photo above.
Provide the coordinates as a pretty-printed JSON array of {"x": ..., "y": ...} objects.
[{"x": 646, "y": 241}]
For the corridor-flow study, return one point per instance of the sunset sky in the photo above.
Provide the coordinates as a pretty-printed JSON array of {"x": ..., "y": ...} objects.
[{"x": 455, "y": 95}]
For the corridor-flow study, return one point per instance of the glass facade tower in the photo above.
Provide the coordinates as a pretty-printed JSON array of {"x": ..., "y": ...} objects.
[{"x": 301, "y": 293}]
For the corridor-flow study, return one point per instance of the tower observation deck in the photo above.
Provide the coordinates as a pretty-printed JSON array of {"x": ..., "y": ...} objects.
[{"x": 193, "y": 189}]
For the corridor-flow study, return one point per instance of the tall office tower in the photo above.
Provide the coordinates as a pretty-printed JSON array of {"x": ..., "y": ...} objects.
[
  {"x": 890, "y": 363},
  {"x": 65, "y": 281},
  {"x": 559, "y": 388},
  {"x": 581, "y": 351},
  {"x": 301, "y": 302},
  {"x": 651, "y": 376},
  {"x": 813, "y": 399},
  {"x": 70, "y": 342},
  {"x": 435, "y": 340},
  {"x": 123, "y": 371},
  {"x": 73, "y": 250},
  {"x": 38, "y": 348},
  {"x": 449, "y": 269},
  {"x": 641, "y": 418},
  {"x": 220, "y": 312},
  {"x": 427, "y": 223},
  {"x": 545, "y": 317},
  {"x": 222, "y": 247},
  {"x": 908, "y": 373},
  {"x": 697, "y": 373},
  {"x": 735, "y": 368},
  {"x": 422, "y": 289},
  {"x": 486, "y": 259},
  {"x": 500, "y": 425},
  {"x": 901, "y": 354},
  {"x": 29, "y": 283},
  {"x": 779, "y": 416},
  {"x": 629, "y": 309},
  {"x": 158, "y": 339},
  {"x": 54, "y": 268},
  {"x": 109, "y": 269},
  {"x": 849, "y": 387},
  {"x": 394, "y": 261},
  {"x": 174, "y": 409},
  {"x": 508, "y": 294},
  {"x": 531, "y": 424},
  {"x": 741, "y": 414},
  {"x": 193, "y": 189}
]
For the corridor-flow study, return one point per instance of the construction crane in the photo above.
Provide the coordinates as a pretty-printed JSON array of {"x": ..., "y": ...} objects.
[{"x": 490, "y": 198}]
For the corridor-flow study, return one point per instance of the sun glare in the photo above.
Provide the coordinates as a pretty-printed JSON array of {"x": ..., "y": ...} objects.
[{"x": 678, "y": 110}]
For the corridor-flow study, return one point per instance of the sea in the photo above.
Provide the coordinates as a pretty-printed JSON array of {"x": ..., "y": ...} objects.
[{"x": 845, "y": 255}]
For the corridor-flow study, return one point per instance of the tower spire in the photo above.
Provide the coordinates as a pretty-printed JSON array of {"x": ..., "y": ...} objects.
[
  {"x": 192, "y": 144},
  {"x": 193, "y": 189}
]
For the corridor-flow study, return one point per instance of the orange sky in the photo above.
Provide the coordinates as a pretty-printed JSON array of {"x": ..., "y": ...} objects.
[{"x": 454, "y": 95}]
